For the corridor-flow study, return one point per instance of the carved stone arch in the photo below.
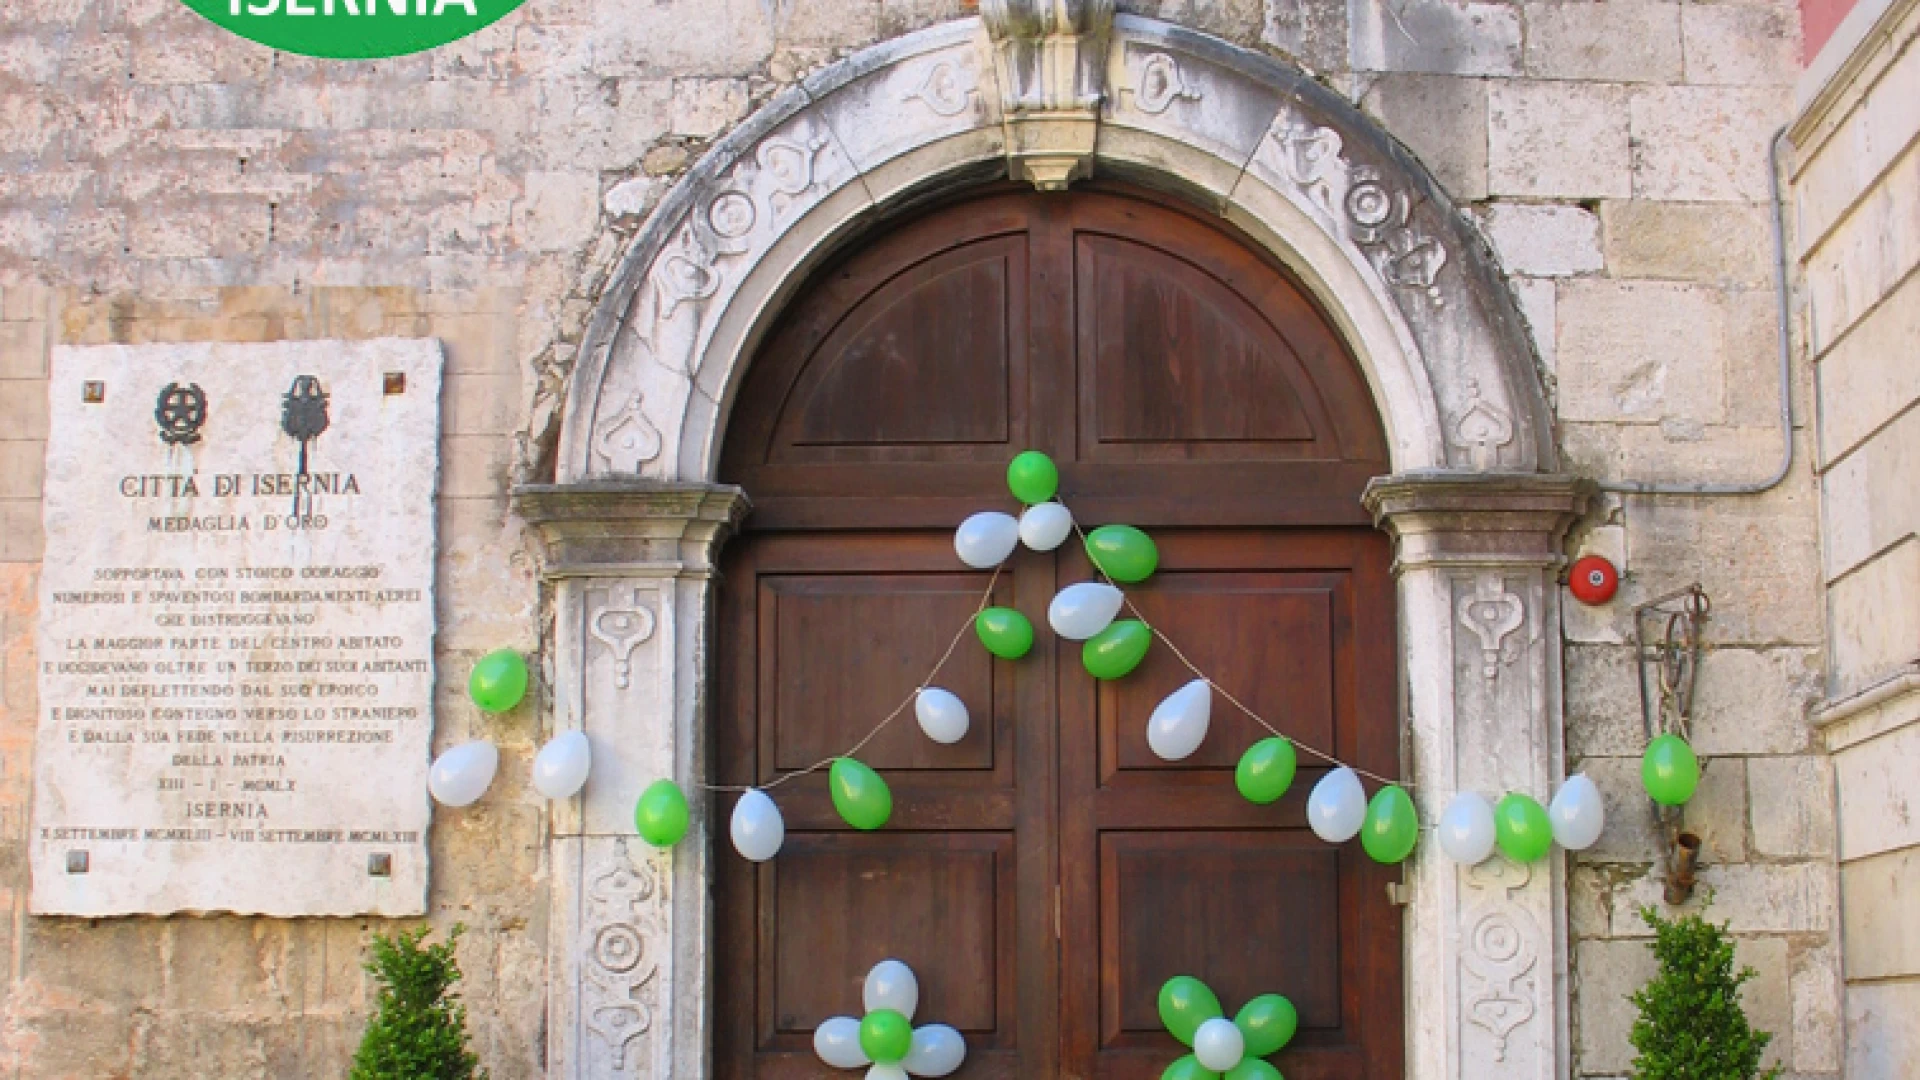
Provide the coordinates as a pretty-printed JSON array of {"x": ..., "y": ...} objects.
[
  {"x": 1047, "y": 91},
  {"x": 1336, "y": 199}
]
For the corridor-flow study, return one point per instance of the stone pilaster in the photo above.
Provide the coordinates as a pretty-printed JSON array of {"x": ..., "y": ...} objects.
[
  {"x": 1477, "y": 560},
  {"x": 630, "y": 564}
]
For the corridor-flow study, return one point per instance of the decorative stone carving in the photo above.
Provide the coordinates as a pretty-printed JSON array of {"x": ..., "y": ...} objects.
[
  {"x": 1483, "y": 428},
  {"x": 790, "y": 164},
  {"x": 1158, "y": 84},
  {"x": 1309, "y": 177},
  {"x": 1050, "y": 57},
  {"x": 1373, "y": 212},
  {"x": 948, "y": 88},
  {"x": 618, "y": 973},
  {"x": 1499, "y": 953},
  {"x": 628, "y": 440},
  {"x": 622, "y": 626},
  {"x": 1492, "y": 613}
]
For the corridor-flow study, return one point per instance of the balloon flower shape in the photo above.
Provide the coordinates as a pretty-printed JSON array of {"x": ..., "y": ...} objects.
[
  {"x": 1222, "y": 1047},
  {"x": 886, "y": 1038}
]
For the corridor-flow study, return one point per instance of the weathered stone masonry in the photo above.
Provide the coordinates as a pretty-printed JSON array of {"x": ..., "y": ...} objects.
[{"x": 160, "y": 180}]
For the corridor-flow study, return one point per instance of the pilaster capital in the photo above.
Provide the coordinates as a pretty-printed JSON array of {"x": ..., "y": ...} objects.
[
  {"x": 1444, "y": 518},
  {"x": 630, "y": 527}
]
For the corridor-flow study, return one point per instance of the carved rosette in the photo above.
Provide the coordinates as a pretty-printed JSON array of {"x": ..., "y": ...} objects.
[
  {"x": 622, "y": 935},
  {"x": 1361, "y": 203},
  {"x": 1050, "y": 58},
  {"x": 1499, "y": 956}
]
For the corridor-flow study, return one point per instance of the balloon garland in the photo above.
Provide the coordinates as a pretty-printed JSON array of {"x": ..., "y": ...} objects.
[
  {"x": 885, "y": 1037},
  {"x": 860, "y": 795},
  {"x": 497, "y": 684},
  {"x": 464, "y": 773},
  {"x": 1234, "y": 1048},
  {"x": 1338, "y": 808}
]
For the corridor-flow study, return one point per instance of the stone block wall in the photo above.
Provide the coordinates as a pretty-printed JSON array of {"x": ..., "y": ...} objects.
[
  {"x": 1857, "y": 243},
  {"x": 162, "y": 180}
]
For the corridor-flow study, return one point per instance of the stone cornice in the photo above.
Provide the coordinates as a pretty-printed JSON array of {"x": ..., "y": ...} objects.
[
  {"x": 604, "y": 528},
  {"x": 1478, "y": 519}
]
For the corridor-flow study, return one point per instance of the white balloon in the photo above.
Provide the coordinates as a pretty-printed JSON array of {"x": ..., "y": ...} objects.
[
  {"x": 1219, "y": 1045},
  {"x": 1337, "y": 807},
  {"x": 758, "y": 829},
  {"x": 1045, "y": 526},
  {"x": 1578, "y": 814},
  {"x": 1080, "y": 611},
  {"x": 1466, "y": 829},
  {"x": 886, "y": 1072},
  {"x": 1179, "y": 724},
  {"x": 942, "y": 715},
  {"x": 984, "y": 540},
  {"x": 837, "y": 1041},
  {"x": 464, "y": 773},
  {"x": 937, "y": 1050},
  {"x": 560, "y": 768},
  {"x": 891, "y": 985}
]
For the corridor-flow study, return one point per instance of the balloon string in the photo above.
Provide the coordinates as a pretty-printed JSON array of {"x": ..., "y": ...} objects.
[
  {"x": 986, "y": 597},
  {"x": 1221, "y": 690}
]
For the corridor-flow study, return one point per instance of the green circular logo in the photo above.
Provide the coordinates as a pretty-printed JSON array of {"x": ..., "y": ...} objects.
[{"x": 353, "y": 29}]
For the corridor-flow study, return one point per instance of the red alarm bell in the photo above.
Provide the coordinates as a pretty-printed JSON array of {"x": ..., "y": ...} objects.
[{"x": 1593, "y": 580}]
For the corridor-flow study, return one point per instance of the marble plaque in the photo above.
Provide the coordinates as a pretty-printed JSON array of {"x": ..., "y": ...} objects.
[{"x": 236, "y": 629}]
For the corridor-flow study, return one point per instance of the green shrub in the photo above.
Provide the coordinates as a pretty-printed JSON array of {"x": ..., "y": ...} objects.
[
  {"x": 419, "y": 1027},
  {"x": 1691, "y": 1026}
]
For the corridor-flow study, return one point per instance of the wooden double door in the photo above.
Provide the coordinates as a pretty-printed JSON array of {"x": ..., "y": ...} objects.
[{"x": 1044, "y": 875}]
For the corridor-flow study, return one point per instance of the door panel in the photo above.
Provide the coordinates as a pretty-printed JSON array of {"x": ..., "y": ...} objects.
[
  {"x": 822, "y": 636},
  {"x": 1278, "y": 660},
  {"x": 1047, "y": 873},
  {"x": 942, "y": 902},
  {"x": 893, "y": 623},
  {"x": 1249, "y": 911},
  {"x": 1185, "y": 876}
]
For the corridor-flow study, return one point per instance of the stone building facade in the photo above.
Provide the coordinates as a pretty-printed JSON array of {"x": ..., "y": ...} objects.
[{"x": 161, "y": 180}]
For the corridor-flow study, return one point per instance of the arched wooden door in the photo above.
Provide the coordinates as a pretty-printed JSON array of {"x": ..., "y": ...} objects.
[{"x": 1046, "y": 874}]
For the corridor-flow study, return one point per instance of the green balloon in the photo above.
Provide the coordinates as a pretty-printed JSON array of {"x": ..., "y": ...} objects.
[
  {"x": 1267, "y": 1023},
  {"x": 1005, "y": 632},
  {"x": 1189, "y": 1068},
  {"x": 1123, "y": 553},
  {"x": 1391, "y": 827},
  {"x": 1185, "y": 1004},
  {"x": 1266, "y": 770},
  {"x": 1032, "y": 477},
  {"x": 859, "y": 794},
  {"x": 661, "y": 814},
  {"x": 1252, "y": 1068},
  {"x": 1117, "y": 650},
  {"x": 1670, "y": 770},
  {"x": 1522, "y": 828},
  {"x": 886, "y": 1036},
  {"x": 499, "y": 681}
]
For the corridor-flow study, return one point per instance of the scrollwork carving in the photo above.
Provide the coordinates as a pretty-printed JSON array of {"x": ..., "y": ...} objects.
[
  {"x": 1492, "y": 613},
  {"x": 622, "y": 627},
  {"x": 628, "y": 440},
  {"x": 790, "y": 164},
  {"x": 617, "y": 974},
  {"x": 1499, "y": 954},
  {"x": 1483, "y": 428},
  {"x": 947, "y": 89},
  {"x": 1369, "y": 210},
  {"x": 1159, "y": 83}
]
